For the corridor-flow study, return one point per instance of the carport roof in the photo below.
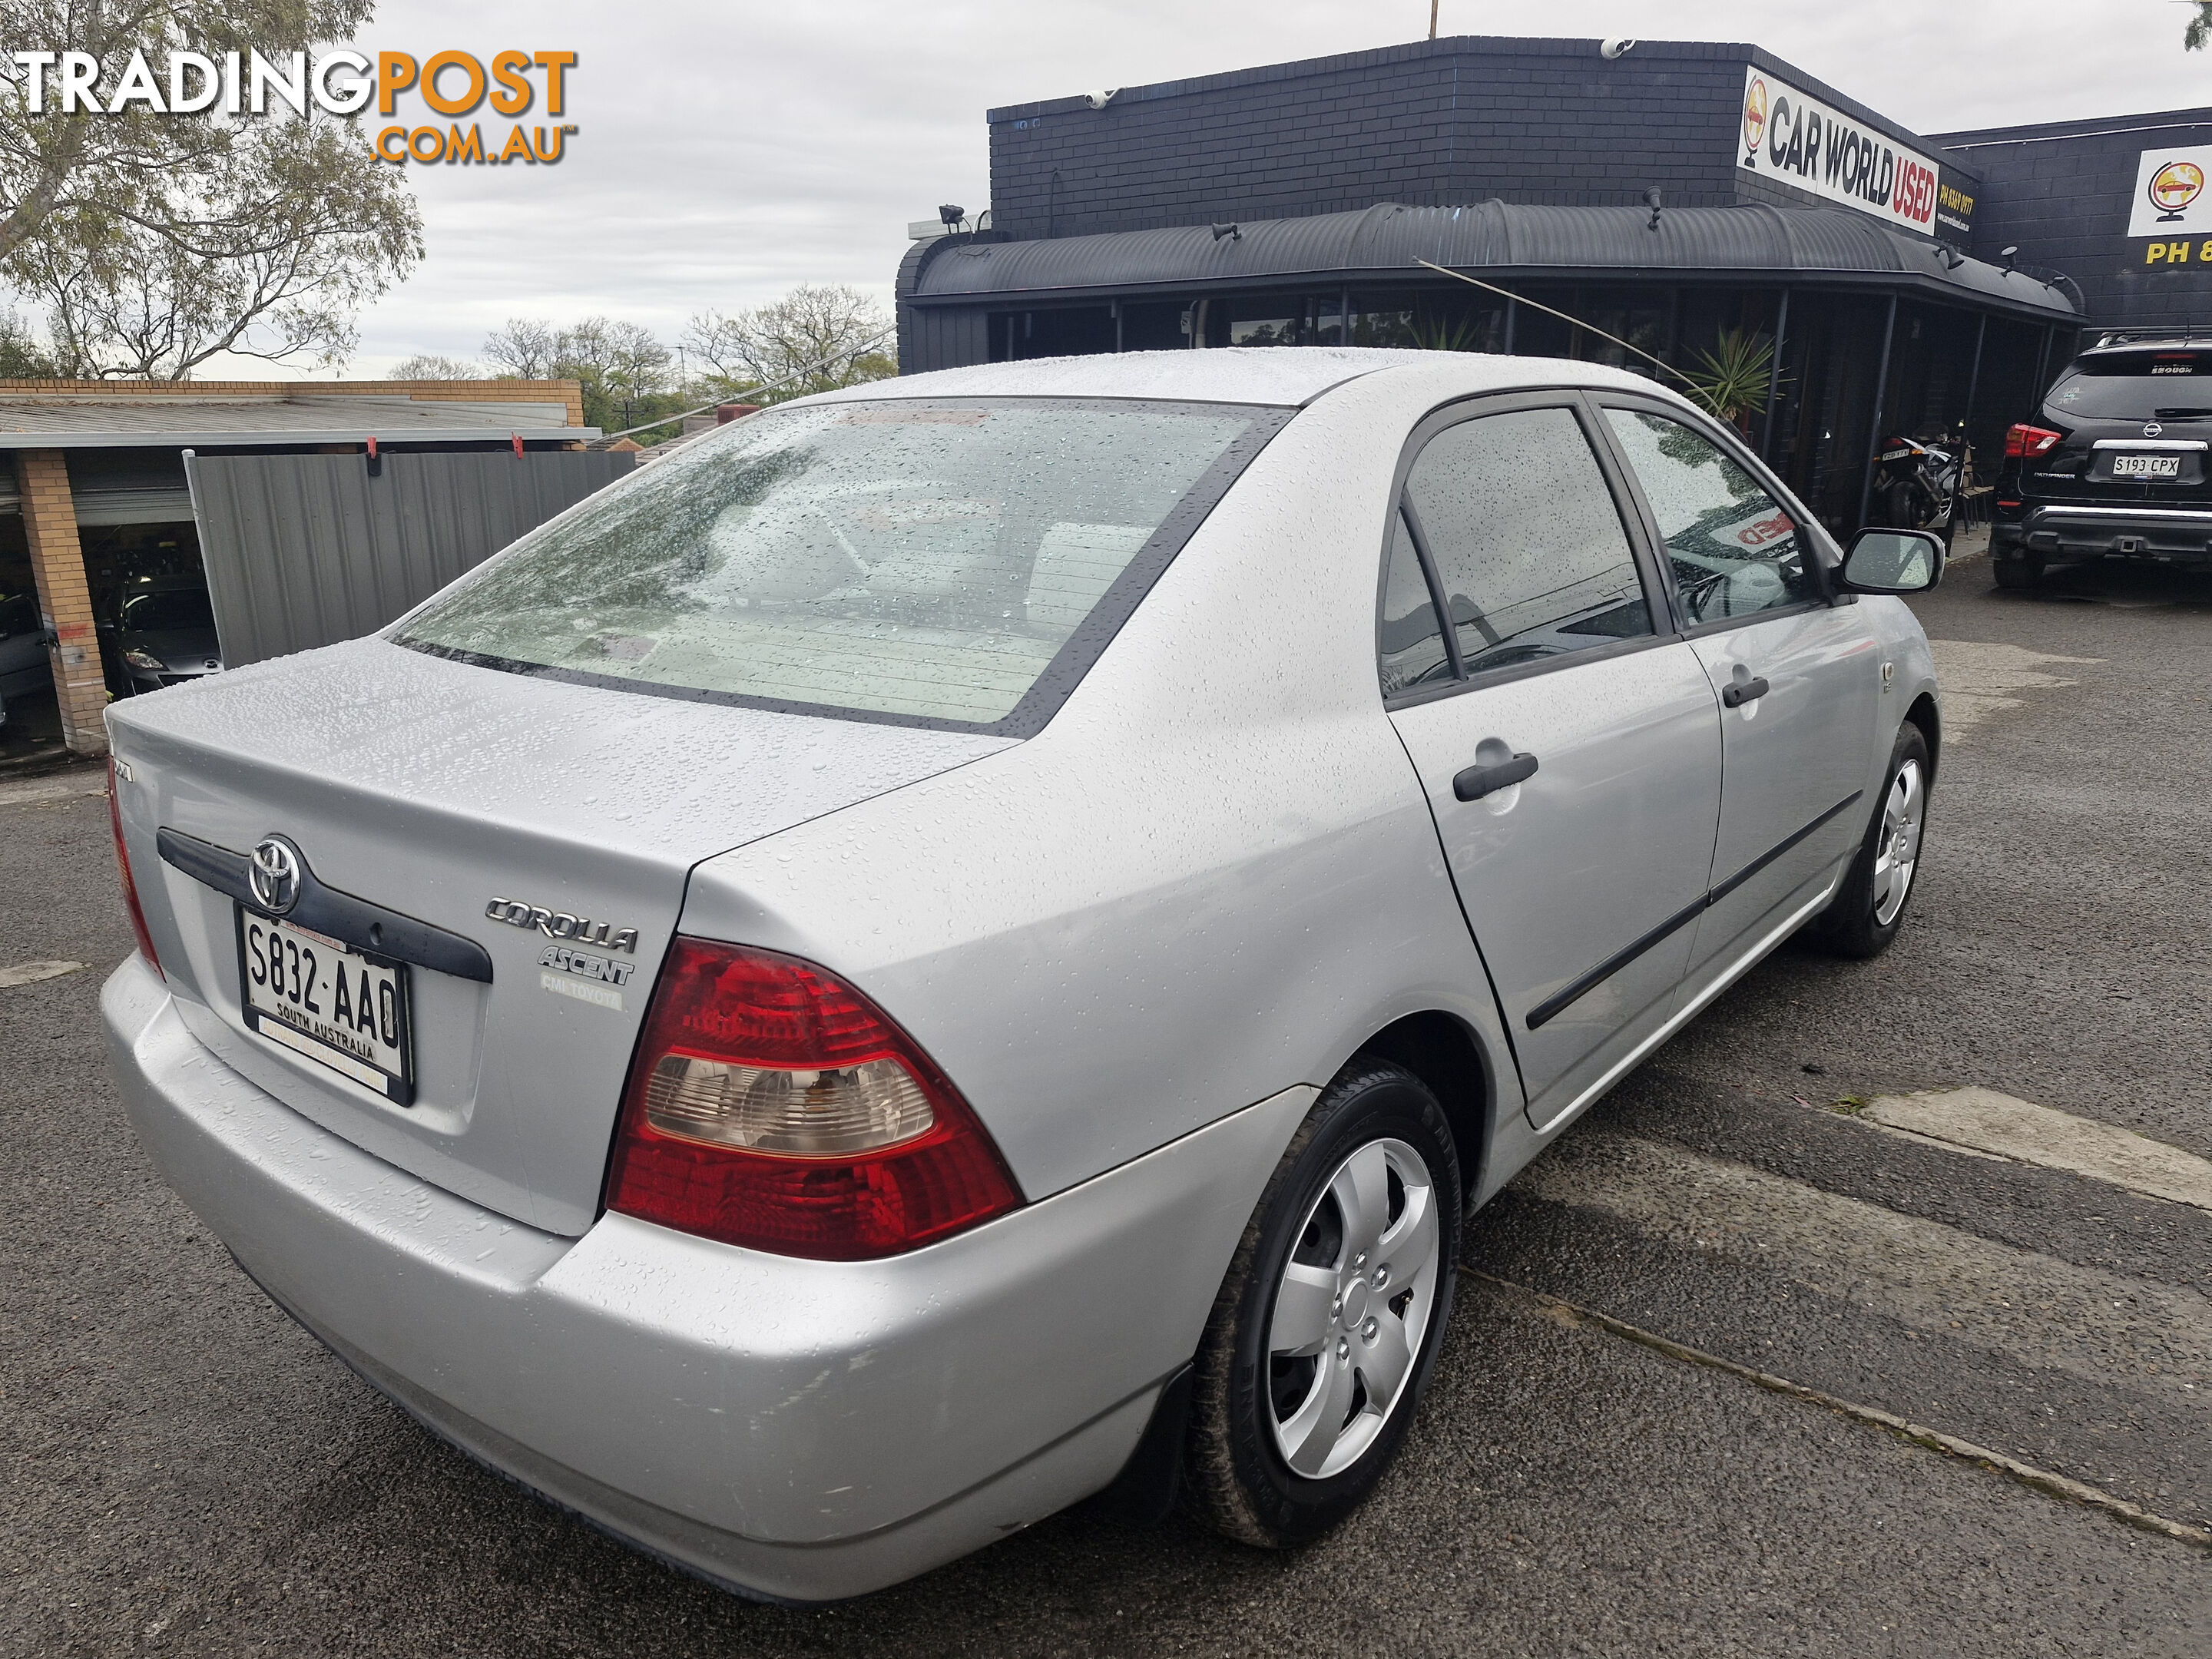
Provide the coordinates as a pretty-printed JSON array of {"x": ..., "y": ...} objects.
[
  {"x": 1385, "y": 241},
  {"x": 78, "y": 420}
]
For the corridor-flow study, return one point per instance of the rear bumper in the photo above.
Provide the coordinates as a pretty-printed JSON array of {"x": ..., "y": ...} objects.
[
  {"x": 796, "y": 1430},
  {"x": 2167, "y": 535}
]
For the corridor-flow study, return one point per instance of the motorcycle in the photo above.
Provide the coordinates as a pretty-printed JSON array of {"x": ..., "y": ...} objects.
[{"x": 1917, "y": 485}]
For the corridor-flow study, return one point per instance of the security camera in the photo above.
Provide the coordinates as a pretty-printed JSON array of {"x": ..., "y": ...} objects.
[
  {"x": 1618, "y": 47},
  {"x": 1100, "y": 100}
]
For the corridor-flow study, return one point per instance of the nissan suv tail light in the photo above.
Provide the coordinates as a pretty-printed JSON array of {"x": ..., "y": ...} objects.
[
  {"x": 2026, "y": 442},
  {"x": 772, "y": 1105},
  {"x": 123, "y": 866}
]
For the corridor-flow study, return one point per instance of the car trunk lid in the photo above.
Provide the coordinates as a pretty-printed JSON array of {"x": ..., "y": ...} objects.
[{"x": 550, "y": 825}]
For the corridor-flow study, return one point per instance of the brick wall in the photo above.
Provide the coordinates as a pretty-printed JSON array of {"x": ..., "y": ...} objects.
[
  {"x": 58, "y": 566},
  {"x": 1437, "y": 122},
  {"x": 2062, "y": 193}
]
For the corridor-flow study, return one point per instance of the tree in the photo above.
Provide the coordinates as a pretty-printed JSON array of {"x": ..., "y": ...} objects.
[
  {"x": 429, "y": 366},
  {"x": 623, "y": 368},
  {"x": 154, "y": 241},
  {"x": 811, "y": 324},
  {"x": 21, "y": 356},
  {"x": 2198, "y": 34},
  {"x": 524, "y": 349}
]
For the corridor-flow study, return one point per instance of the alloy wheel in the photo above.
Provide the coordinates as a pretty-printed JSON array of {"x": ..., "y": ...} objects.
[
  {"x": 1898, "y": 854},
  {"x": 1352, "y": 1308}
]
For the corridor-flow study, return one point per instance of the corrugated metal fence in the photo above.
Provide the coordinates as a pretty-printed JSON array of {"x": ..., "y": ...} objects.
[{"x": 304, "y": 550}]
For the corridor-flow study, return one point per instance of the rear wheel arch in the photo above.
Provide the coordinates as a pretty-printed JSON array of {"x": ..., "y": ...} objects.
[{"x": 1441, "y": 1050}]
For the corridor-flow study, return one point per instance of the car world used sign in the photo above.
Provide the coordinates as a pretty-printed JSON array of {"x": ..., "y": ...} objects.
[{"x": 1794, "y": 138}]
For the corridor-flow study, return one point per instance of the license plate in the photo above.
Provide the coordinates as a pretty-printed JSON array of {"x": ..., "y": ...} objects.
[
  {"x": 2146, "y": 467},
  {"x": 338, "y": 1007}
]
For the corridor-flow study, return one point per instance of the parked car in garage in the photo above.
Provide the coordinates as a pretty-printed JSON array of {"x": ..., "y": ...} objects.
[
  {"x": 2117, "y": 465},
  {"x": 23, "y": 664},
  {"x": 164, "y": 633},
  {"x": 967, "y": 944}
]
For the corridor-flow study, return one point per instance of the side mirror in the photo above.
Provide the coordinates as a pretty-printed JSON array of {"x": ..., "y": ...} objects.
[{"x": 1893, "y": 562}]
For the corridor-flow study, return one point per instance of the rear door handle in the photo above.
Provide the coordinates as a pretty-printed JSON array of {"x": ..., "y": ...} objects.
[
  {"x": 1479, "y": 781},
  {"x": 1736, "y": 693}
]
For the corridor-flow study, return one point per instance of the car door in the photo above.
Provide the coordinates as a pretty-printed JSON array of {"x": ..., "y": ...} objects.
[
  {"x": 1567, "y": 740},
  {"x": 1798, "y": 675},
  {"x": 23, "y": 667}
]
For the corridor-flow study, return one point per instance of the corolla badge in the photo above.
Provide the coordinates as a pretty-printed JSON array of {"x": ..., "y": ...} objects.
[
  {"x": 562, "y": 925},
  {"x": 274, "y": 875},
  {"x": 2152, "y": 428}
]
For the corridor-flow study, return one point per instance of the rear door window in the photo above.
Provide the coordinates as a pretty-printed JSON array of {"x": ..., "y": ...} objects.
[
  {"x": 1528, "y": 552},
  {"x": 953, "y": 564}
]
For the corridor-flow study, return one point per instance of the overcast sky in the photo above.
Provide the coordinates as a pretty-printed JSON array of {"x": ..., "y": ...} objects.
[{"x": 730, "y": 149}]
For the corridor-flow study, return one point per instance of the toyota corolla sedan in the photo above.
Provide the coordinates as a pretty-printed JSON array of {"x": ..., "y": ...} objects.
[{"x": 966, "y": 944}]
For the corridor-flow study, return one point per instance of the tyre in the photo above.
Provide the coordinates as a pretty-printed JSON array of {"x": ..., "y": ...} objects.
[
  {"x": 1324, "y": 1330},
  {"x": 1869, "y": 907},
  {"x": 1901, "y": 506},
  {"x": 2023, "y": 572}
]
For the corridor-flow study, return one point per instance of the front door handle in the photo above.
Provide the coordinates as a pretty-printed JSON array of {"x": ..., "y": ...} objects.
[
  {"x": 1736, "y": 693},
  {"x": 1479, "y": 781}
]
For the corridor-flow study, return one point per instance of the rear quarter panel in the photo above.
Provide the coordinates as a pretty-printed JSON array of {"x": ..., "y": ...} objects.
[{"x": 1209, "y": 879}]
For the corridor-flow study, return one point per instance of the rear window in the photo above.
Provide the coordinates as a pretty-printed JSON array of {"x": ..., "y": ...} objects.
[
  {"x": 2162, "y": 387},
  {"x": 955, "y": 564}
]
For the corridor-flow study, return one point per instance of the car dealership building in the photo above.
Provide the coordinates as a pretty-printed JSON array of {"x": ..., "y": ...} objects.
[{"x": 1670, "y": 196}]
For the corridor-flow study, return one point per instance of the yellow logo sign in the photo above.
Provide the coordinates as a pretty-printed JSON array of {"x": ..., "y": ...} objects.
[
  {"x": 1754, "y": 117},
  {"x": 2174, "y": 186}
]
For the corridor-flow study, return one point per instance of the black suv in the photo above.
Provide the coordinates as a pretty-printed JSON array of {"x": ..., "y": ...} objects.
[{"x": 2120, "y": 464}]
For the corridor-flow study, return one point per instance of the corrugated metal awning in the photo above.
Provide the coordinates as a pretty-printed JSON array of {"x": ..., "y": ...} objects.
[{"x": 1385, "y": 241}]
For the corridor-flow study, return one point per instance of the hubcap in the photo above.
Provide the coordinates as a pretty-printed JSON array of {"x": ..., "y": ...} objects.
[
  {"x": 1897, "y": 852},
  {"x": 1351, "y": 1308}
]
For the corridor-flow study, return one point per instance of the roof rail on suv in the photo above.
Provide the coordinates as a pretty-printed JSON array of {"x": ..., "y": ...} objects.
[{"x": 2174, "y": 337}]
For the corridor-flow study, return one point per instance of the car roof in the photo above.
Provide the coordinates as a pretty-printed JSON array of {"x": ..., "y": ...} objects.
[{"x": 1286, "y": 376}]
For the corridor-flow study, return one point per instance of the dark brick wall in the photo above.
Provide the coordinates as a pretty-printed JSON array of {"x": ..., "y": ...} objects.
[
  {"x": 2062, "y": 193},
  {"x": 1436, "y": 123}
]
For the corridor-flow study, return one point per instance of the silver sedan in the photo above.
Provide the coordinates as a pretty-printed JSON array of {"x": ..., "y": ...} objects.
[{"x": 967, "y": 945}]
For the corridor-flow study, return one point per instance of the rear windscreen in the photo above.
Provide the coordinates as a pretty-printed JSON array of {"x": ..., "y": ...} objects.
[
  {"x": 2169, "y": 387},
  {"x": 923, "y": 562}
]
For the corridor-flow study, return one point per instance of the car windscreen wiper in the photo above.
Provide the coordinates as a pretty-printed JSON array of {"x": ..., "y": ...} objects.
[{"x": 2183, "y": 414}]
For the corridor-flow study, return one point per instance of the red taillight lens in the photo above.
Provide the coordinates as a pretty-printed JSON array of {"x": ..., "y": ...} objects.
[
  {"x": 772, "y": 1105},
  {"x": 2025, "y": 443},
  {"x": 123, "y": 864}
]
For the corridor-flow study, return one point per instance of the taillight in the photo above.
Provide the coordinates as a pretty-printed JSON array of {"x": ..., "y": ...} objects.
[
  {"x": 123, "y": 864},
  {"x": 2026, "y": 442},
  {"x": 772, "y": 1105}
]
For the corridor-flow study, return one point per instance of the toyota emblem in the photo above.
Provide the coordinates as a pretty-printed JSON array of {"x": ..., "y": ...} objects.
[
  {"x": 274, "y": 875},
  {"x": 2152, "y": 429}
]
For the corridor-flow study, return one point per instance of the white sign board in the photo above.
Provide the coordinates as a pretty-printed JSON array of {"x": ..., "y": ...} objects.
[
  {"x": 1792, "y": 137},
  {"x": 2171, "y": 198}
]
